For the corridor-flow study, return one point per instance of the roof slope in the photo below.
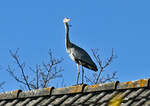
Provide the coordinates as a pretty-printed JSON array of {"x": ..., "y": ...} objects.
[{"x": 132, "y": 93}]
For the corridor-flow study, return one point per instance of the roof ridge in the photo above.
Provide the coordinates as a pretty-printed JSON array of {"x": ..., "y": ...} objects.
[{"x": 83, "y": 88}]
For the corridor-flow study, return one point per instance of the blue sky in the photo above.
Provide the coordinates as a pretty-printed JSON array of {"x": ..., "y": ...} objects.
[{"x": 37, "y": 26}]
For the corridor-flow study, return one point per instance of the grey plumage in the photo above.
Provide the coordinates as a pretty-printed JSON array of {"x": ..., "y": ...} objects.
[
  {"x": 77, "y": 54},
  {"x": 81, "y": 57}
]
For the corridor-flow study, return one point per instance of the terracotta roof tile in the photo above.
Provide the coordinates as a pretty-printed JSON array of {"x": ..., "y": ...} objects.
[{"x": 131, "y": 93}]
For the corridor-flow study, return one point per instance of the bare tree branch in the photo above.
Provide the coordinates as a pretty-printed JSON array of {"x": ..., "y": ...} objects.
[
  {"x": 41, "y": 74},
  {"x": 102, "y": 67},
  {"x": 21, "y": 67},
  {"x": 1, "y": 85},
  {"x": 89, "y": 80},
  {"x": 96, "y": 78},
  {"x": 110, "y": 78}
]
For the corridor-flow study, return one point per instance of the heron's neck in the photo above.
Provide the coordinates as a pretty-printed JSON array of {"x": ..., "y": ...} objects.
[{"x": 67, "y": 41}]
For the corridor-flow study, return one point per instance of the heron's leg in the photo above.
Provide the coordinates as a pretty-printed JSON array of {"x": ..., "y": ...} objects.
[
  {"x": 78, "y": 73},
  {"x": 82, "y": 75}
]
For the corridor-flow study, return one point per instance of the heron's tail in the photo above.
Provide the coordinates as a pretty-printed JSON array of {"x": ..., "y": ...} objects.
[{"x": 91, "y": 66}]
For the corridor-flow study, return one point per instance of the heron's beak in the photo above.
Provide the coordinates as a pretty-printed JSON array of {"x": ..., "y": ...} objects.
[{"x": 66, "y": 20}]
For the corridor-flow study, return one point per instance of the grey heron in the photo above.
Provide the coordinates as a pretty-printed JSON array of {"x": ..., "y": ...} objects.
[{"x": 77, "y": 54}]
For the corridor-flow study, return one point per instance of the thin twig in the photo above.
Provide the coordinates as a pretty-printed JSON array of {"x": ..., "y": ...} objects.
[
  {"x": 21, "y": 67},
  {"x": 42, "y": 74},
  {"x": 97, "y": 78}
]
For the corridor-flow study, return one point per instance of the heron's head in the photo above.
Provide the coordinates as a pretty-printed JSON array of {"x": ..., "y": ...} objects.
[{"x": 66, "y": 20}]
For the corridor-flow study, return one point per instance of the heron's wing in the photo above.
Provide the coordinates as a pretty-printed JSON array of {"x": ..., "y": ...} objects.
[
  {"x": 80, "y": 53},
  {"x": 82, "y": 56}
]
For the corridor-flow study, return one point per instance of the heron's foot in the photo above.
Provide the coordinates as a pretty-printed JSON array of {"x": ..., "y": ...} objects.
[
  {"x": 77, "y": 81},
  {"x": 82, "y": 83},
  {"x": 78, "y": 84}
]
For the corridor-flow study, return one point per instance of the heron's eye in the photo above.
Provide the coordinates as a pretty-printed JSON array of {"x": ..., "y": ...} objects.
[{"x": 66, "y": 20}]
